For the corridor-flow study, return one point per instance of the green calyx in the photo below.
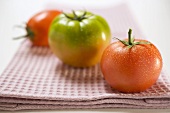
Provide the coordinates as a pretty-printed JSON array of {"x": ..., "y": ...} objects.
[
  {"x": 29, "y": 33},
  {"x": 75, "y": 16},
  {"x": 130, "y": 43}
]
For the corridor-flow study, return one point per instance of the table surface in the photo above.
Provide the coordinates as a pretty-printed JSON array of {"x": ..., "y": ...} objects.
[{"x": 153, "y": 17}]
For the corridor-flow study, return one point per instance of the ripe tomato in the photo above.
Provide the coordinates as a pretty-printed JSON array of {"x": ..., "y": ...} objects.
[
  {"x": 131, "y": 65},
  {"x": 79, "y": 38},
  {"x": 38, "y": 25}
]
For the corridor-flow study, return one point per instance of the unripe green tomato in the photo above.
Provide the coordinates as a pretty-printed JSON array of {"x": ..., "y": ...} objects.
[{"x": 79, "y": 38}]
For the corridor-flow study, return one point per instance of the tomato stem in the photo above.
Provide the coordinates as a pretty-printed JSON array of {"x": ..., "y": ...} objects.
[
  {"x": 130, "y": 37},
  {"x": 75, "y": 16},
  {"x": 130, "y": 43},
  {"x": 29, "y": 34}
]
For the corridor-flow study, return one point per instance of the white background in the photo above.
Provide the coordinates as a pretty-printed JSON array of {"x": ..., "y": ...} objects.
[{"x": 153, "y": 17}]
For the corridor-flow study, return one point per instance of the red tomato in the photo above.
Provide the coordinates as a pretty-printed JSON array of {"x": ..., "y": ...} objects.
[
  {"x": 131, "y": 65},
  {"x": 38, "y": 25}
]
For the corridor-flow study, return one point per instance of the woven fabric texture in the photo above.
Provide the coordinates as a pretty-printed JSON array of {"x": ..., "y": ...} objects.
[{"x": 36, "y": 79}]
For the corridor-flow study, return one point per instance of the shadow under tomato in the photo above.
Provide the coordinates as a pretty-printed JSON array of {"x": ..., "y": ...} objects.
[{"x": 86, "y": 80}]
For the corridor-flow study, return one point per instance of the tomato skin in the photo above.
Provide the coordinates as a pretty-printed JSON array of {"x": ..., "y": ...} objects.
[
  {"x": 79, "y": 43},
  {"x": 39, "y": 26},
  {"x": 132, "y": 69}
]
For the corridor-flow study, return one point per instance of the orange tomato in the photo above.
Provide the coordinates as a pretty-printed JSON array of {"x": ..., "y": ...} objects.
[
  {"x": 131, "y": 65},
  {"x": 38, "y": 25}
]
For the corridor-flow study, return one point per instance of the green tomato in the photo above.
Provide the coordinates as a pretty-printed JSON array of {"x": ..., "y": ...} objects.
[{"x": 79, "y": 38}]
